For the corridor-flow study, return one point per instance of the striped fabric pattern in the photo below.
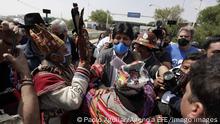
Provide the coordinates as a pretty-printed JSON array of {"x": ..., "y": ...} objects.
[{"x": 108, "y": 109}]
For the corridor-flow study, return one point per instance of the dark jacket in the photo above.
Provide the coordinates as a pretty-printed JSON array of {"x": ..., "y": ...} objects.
[
  {"x": 34, "y": 57},
  {"x": 74, "y": 51},
  {"x": 9, "y": 95},
  {"x": 32, "y": 54},
  {"x": 174, "y": 104},
  {"x": 152, "y": 65}
]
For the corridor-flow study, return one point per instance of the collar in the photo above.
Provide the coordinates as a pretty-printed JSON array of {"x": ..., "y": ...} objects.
[
  {"x": 114, "y": 54},
  {"x": 148, "y": 58},
  {"x": 67, "y": 40},
  {"x": 185, "y": 48}
]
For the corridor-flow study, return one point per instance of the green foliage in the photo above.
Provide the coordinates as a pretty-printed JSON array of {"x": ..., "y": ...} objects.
[
  {"x": 172, "y": 13},
  {"x": 151, "y": 23},
  {"x": 100, "y": 16},
  {"x": 172, "y": 30},
  {"x": 208, "y": 23},
  {"x": 50, "y": 19},
  {"x": 69, "y": 24}
]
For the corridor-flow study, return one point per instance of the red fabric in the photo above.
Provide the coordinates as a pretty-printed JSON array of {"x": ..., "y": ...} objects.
[
  {"x": 45, "y": 82},
  {"x": 101, "y": 113}
]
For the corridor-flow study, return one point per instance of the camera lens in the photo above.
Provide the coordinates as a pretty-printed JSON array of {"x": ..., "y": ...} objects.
[{"x": 168, "y": 76}]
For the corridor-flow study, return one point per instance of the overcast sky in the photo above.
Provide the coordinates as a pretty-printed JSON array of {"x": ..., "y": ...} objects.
[{"x": 62, "y": 8}]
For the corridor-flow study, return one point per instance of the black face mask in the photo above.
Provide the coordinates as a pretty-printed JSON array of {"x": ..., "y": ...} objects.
[{"x": 183, "y": 42}]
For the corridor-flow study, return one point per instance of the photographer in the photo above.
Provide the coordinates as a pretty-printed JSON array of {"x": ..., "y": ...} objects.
[
  {"x": 174, "y": 83},
  {"x": 16, "y": 83},
  {"x": 163, "y": 41}
]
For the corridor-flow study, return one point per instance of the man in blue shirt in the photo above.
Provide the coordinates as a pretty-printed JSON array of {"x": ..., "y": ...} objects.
[{"x": 178, "y": 51}]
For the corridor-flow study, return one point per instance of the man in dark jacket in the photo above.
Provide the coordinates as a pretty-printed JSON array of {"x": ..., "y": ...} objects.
[
  {"x": 144, "y": 45},
  {"x": 30, "y": 50},
  {"x": 122, "y": 37}
]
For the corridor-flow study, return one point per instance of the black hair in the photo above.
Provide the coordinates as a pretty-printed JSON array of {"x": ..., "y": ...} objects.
[
  {"x": 205, "y": 85},
  {"x": 210, "y": 40},
  {"x": 124, "y": 28}
]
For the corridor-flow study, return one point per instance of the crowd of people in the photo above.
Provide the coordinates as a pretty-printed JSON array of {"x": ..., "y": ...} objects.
[{"x": 50, "y": 77}]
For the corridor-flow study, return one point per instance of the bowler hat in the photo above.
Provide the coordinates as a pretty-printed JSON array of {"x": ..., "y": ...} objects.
[
  {"x": 31, "y": 19},
  {"x": 147, "y": 39}
]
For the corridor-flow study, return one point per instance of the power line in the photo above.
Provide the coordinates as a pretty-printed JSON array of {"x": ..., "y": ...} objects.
[{"x": 29, "y": 5}]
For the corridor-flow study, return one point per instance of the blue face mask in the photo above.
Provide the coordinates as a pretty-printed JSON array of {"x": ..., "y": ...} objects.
[{"x": 120, "y": 48}]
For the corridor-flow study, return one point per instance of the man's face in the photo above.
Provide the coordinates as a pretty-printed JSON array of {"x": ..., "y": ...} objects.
[
  {"x": 185, "y": 105},
  {"x": 185, "y": 34},
  {"x": 213, "y": 47},
  {"x": 190, "y": 107},
  {"x": 122, "y": 38},
  {"x": 186, "y": 65},
  {"x": 56, "y": 30},
  {"x": 139, "y": 48},
  {"x": 61, "y": 52}
]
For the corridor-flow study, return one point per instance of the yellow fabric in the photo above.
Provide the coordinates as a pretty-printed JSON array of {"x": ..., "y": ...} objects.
[{"x": 45, "y": 40}]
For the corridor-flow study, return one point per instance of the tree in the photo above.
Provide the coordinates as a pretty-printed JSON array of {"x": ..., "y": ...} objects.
[
  {"x": 69, "y": 24},
  {"x": 100, "y": 16},
  {"x": 172, "y": 13},
  {"x": 208, "y": 23}
]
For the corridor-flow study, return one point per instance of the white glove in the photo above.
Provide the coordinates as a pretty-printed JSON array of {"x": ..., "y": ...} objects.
[{"x": 166, "y": 97}]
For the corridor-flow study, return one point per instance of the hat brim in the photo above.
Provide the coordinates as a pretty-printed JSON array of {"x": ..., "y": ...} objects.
[
  {"x": 151, "y": 46},
  {"x": 30, "y": 26}
]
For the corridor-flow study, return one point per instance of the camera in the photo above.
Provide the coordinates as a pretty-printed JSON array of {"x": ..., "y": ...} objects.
[
  {"x": 175, "y": 80},
  {"x": 158, "y": 31}
]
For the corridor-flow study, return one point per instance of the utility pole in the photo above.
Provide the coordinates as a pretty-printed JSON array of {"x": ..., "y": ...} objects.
[
  {"x": 107, "y": 20},
  {"x": 197, "y": 14}
]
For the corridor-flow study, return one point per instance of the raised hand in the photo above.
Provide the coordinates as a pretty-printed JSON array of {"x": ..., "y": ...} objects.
[
  {"x": 45, "y": 40},
  {"x": 19, "y": 63},
  {"x": 84, "y": 46}
]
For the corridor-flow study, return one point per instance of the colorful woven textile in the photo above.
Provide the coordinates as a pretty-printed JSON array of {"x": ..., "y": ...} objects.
[
  {"x": 108, "y": 109},
  {"x": 45, "y": 41}
]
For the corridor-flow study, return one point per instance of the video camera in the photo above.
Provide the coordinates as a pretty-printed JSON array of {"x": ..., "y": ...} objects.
[
  {"x": 158, "y": 31},
  {"x": 175, "y": 80}
]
